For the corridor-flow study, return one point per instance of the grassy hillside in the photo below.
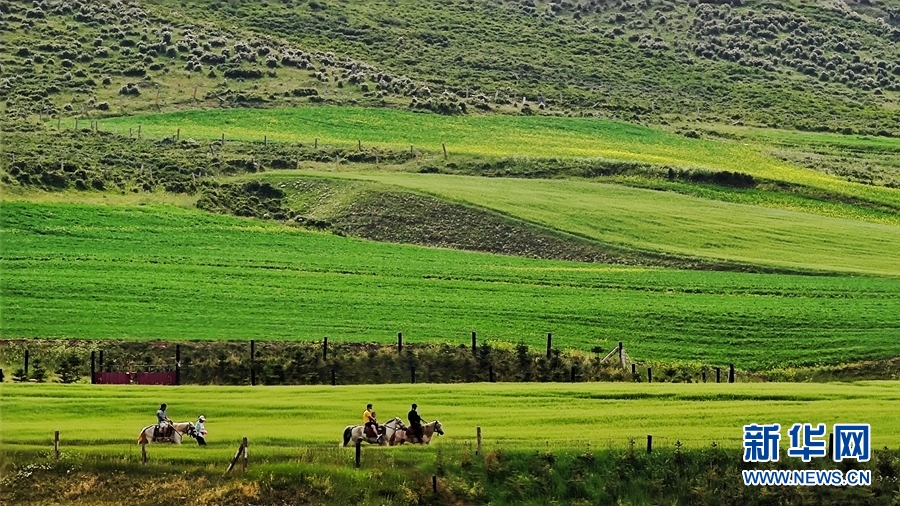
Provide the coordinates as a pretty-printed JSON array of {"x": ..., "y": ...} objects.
[
  {"x": 656, "y": 221},
  {"x": 149, "y": 272},
  {"x": 790, "y": 64}
]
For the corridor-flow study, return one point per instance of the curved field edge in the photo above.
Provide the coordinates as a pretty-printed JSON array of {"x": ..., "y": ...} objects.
[
  {"x": 672, "y": 223},
  {"x": 488, "y": 135},
  {"x": 96, "y": 272},
  {"x": 385, "y": 213}
]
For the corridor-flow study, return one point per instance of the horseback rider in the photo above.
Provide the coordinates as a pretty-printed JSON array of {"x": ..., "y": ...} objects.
[
  {"x": 370, "y": 420},
  {"x": 415, "y": 422},
  {"x": 162, "y": 420}
]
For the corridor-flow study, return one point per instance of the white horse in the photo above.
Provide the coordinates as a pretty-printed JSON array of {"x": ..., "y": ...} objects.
[
  {"x": 180, "y": 430},
  {"x": 393, "y": 431},
  {"x": 428, "y": 432}
]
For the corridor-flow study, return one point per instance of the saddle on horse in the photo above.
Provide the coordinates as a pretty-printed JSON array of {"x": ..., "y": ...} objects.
[
  {"x": 163, "y": 435},
  {"x": 370, "y": 431}
]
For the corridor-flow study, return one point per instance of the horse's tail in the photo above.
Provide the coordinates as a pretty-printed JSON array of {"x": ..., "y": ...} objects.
[
  {"x": 347, "y": 433},
  {"x": 142, "y": 439}
]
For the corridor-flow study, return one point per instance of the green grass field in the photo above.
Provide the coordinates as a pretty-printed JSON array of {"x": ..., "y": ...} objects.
[
  {"x": 158, "y": 272},
  {"x": 664, "y": 221},
  {"x": 280, "y": 421},
  {"x": 540, "y": 137}
]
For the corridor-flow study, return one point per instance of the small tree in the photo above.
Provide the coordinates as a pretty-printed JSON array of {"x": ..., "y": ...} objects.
[
  {"x": 19, "y": 375},
  {"x": 38, "y": 373},
  {"x": 69, "y": 369}
]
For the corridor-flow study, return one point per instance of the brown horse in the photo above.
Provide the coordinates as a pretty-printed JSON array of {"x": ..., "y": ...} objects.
[
  {"x": 428, "y": 432},
  {"x": 180, "y": 430}
]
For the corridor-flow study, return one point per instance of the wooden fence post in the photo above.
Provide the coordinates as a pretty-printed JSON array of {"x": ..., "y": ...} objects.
[
  {"x": 718, "y": 374},
  {"x": 252, "y": 362},
  {"x": 93, "y": 368},
  {"x": 223, "y": 138},
  {"x": 621, "y": 354},
  {"x": 474, "y": 348},
  {"x": 246, "y": 459},
  {"x": 633, "y": 371},
  {"x": 549, "y": 343},
  {"x": 731, "y": 373},
  {"x": 359, "y": 145},
  {"x": 649, "y": 443},
  {"x": 477, "y": 440},
  {"x": 325, "y": 348},
  {"x": 237, "y": 455},
  {"x": 649, "y": 375},
  {"x": 358, "y": 451},
  {"x": 316, "y": 145},
  {"x": 265, "y": 141},
  {"x": 399, "y": 342},
  {"x": 56, "y": 444},
  {"x": 445, "y": 150},
  {"x": 26, "y": 363},
  {"x": 178, "y": 135}
]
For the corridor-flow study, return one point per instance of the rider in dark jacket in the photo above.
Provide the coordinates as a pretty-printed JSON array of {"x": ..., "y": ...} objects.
[{"x": 415, "y": 422}]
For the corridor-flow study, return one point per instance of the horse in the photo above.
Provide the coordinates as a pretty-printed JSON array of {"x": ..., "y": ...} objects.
[
  {"x": 180, "y": 429},
  {"x": 393, "y": 430},
  {"x": 428, "y": 432}
]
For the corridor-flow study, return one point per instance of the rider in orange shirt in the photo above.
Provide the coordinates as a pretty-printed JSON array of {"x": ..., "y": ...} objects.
[{"x": 369, "y": 419}]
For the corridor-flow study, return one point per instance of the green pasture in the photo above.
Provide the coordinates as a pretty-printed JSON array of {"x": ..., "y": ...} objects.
[
  {"x": 664, "y": 221},
  {"x": 281, "y": 421},
  {"x": 161, "y": 272},
  {"x": 495, "y": 135}
]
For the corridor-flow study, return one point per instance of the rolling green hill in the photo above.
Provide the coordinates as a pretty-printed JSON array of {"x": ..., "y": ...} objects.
[{"x": 147, "y": 272}]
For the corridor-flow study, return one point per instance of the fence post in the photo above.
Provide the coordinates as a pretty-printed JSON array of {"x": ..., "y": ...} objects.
[
  {"x": 358, "y": 451},
  {"x": 621, "y": 355},
  {"x": 649, "y": 375},
  {"x": 703, "y": 375},
  {"x": 246, "y": 459},
  {"x": 649, "y": 443},
  {"x": 731, "y": 373},
  {"x": 399, "y": 343},
  {"x": 223, "y": 138},
  {"x": 633, "y": 372},
  {"x": 549, "y": 343},
  {"x": 265, "y": 141},
  {"x": 252, "y": 362},
  {"x": 93, "y": 368},
  {"x": 573, "y": 374},
  {"x": 56, "y": 444},
  {"x": 144, "y": 454},
  {"x": 477, "y": 440},
  {"x": 718, "y": 374},
  {"x": 445, "y": 150},
  {"x": 325, "y": 348},
  {"x": 473, "y": 344},
  {"x": 434, "y": 483},
  {"x": 359, "y": 144},
  {"x": 412, "y": 374},
  {"x": 178, "y": 135},
  {"x": 317, "y": 143},
  {"x": 26, "y": 363}
]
